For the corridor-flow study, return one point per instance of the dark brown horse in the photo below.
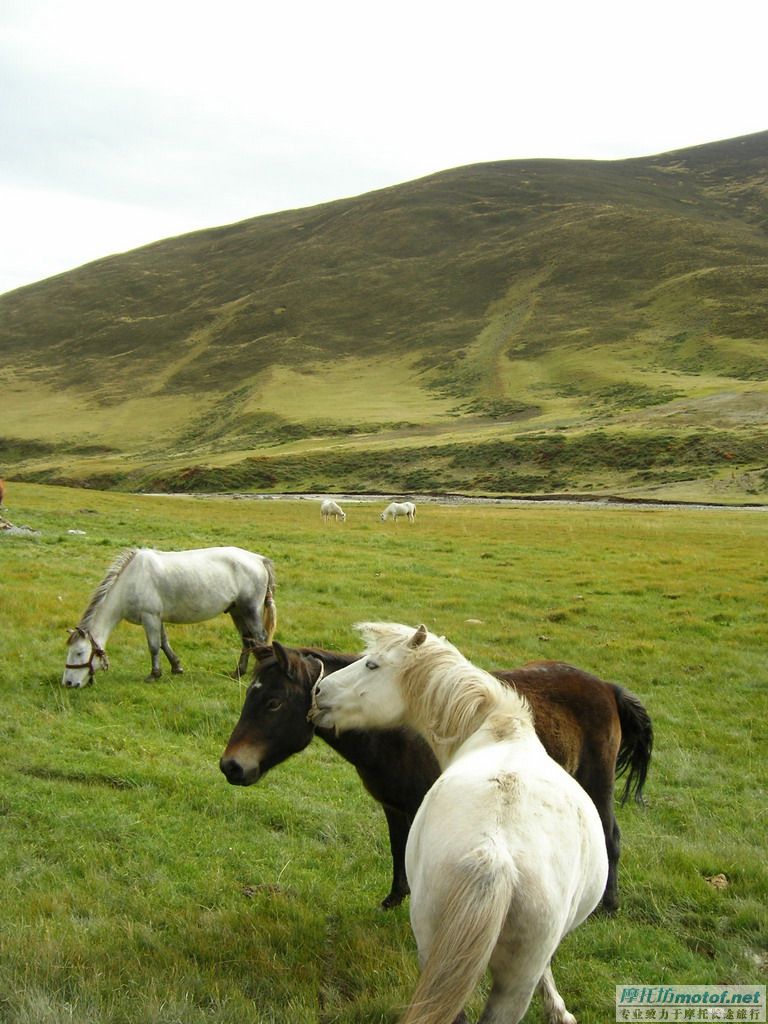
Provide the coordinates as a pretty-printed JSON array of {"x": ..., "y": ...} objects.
[{"x": 595, "y": 730}]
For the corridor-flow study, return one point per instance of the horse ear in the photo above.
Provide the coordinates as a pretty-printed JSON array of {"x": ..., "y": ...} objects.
[
  {"x": 282, "y": 656},
  {"x": 262, "y": 652},
  {"x": 305, "y": 669},
  {"x": 418, "y": 637}
]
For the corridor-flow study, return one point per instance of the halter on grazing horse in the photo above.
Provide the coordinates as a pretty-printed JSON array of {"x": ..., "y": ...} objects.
[
  {"x": 96, "y": 654},
  {"x": 506, "y": 854}
]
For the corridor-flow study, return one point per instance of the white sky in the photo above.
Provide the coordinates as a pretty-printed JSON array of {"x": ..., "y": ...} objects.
[{"x": 126, "y": 121}]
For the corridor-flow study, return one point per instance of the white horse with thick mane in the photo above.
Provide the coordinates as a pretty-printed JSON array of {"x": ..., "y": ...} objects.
[
  {"x": 149, "y": 588},
  {"x": 329, "y": 509},
  {"x": 506, "y": 854},
  {"x": 396, "y": 509}
]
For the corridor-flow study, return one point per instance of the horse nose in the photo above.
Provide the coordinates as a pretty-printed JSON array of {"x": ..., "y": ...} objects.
[{"x": 233, "y": 770}]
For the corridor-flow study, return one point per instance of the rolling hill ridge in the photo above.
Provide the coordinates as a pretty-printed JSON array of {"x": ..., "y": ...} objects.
[{"x": 352, "y": 345}]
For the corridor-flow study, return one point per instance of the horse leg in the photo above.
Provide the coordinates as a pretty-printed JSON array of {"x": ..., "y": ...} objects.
[
  {"x": 249, "y": 625},
  {"x": 507, "y": 1005},
  {"x": 242, "y": 661},
  {"x": 554, "y": 1007},
  {"x": 169, "y": 652},
  {"x": 610, "y": 901},
  {"x": 399, "y": 826},
  {"x": 519, "y": 964},
  {"x": 153, "y": 628},
  {"x": 598, "y": 782},
  {"x": 603, "y": 800}
]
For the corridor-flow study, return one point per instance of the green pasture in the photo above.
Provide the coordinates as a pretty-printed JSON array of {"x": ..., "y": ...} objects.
[{"x": 139, "y": 888}]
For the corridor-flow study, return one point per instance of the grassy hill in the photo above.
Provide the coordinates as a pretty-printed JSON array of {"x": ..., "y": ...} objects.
[{"x": 535, "y": 325}]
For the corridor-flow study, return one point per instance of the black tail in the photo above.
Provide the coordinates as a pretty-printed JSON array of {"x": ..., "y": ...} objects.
[{"x": 636, "y": 744}]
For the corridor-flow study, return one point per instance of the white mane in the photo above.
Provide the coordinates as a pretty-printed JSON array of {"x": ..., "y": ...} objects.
[
  {"x": 97, "y": 598},
  {"x": 448, "y": 697}
]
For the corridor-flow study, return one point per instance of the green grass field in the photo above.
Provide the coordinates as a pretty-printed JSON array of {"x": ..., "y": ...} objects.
[{"x": 139, "y": 888}]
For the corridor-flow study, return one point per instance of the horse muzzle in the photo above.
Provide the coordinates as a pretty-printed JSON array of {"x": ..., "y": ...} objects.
[
  {"x": 320, "y": 715},
  {"x": 238, "y": 774},
  {"x": 76, "y": 684}
]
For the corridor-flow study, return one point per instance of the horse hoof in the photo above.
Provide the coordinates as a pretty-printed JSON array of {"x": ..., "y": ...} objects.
[
  {"x": 177, "y": 670},
  {"x": 152, "y": 677},
  {"x": 608, "y": 905},
  {"x": 391, "y": 901}
]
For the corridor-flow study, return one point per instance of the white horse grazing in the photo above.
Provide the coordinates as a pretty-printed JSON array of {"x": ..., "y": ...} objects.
[
  {"x": 149, "y": 588},
  {"x": 399, "y": 508},
  {"x": 506, "y": 854},
  {"x": 330, "y": 510}
]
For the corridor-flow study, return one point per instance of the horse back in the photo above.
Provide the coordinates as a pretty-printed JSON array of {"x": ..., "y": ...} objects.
[
  {"x": 230, "y": 563},
  {"x": 194, "y": 585},
  {"x": 575, "y": 713}
]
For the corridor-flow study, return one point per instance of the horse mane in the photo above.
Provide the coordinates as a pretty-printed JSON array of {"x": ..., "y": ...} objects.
[
  {"x": 123, "y": 559},
  {"x": 448, "y": 696}
]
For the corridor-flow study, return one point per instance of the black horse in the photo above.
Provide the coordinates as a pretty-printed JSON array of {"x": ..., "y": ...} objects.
[{"x": 594, "y": 729}]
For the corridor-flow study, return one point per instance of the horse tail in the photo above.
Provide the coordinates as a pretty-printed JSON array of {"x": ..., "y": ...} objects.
[
  {"x": 636, "y": 745},
  {"x": 468, "y": 928},
  {"x": 269, "y": 611}
]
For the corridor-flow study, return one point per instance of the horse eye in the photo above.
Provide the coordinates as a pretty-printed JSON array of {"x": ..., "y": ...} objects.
[
  {"x": 274, "y": 704},
  {"x": 371, "y": 665}
]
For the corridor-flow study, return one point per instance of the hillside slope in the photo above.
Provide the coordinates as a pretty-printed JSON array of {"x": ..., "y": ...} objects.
[{"x": 468, "y": 307}]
